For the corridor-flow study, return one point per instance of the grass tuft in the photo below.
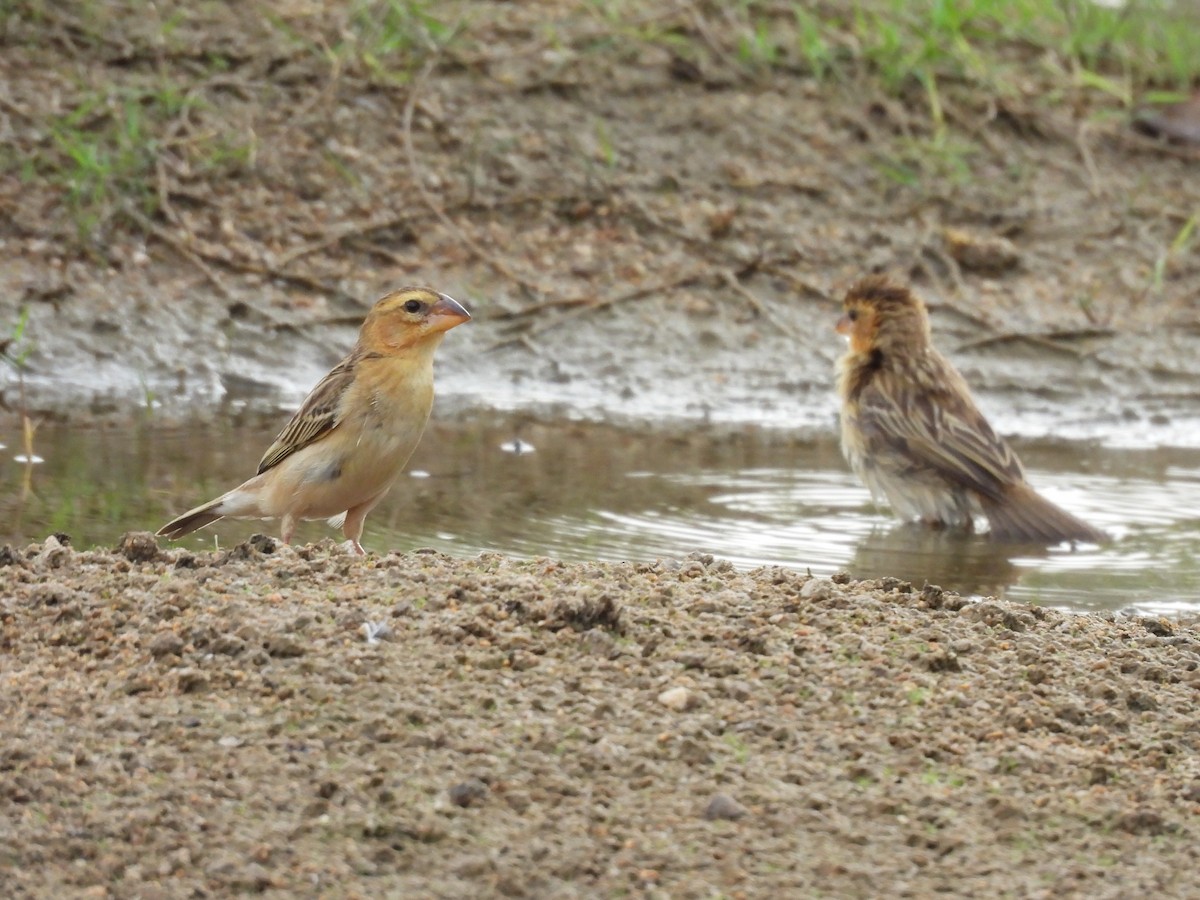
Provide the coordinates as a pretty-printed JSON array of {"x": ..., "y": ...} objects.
[
  {"x": 109, "y": 150},
  {"x": 1141, "y": 45},
  {"x": 389, "y": 40}
]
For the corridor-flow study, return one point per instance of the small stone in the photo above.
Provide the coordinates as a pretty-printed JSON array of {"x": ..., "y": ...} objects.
[
  {"x": 192, "y": 681},
  {"x": 262, "y": 853},
  {"x": 943, "y": 661},
  {"x": 315, "y": 808},
  {"x": 54, "y": 553},
  {"x": 472, "y": 866},
  {"x": 1159, "y": 627},
  {"x": 258, "y": 545},
  {"x": 598, "y": 642},
  {"x": 817, "y": 589},
  {"x": 1143, "y": 821},
  {"x": 1140, "y": 701},
  {"x": 264, "y": 543},
  {"x": 283, "y": 646},
  {"x": 166, "y": 644},
  {"x": 228, "y": 645},
  {"x": 327, "y": 789},
  {"x": 722, "y": 806},
  {"x": 468, "y": 792},
  {"x": 680, "y": 699},
  {"x": 694, "y": 753},
  {"x": 138, "y": 547},
  {"x": 252, "y": 878},
  {"x": 518, "y": 801},
  {"x": 521, "y": 660},
  {"x": 138, "y": 684},
  {"x": 737, "y": 690}
]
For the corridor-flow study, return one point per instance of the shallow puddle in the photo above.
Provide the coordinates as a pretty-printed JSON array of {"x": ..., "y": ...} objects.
[{"x": 591, "y": 492}]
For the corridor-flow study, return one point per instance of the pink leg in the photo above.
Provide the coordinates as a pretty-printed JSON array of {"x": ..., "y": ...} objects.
[
  {"x": 356, "y": 516},
  {"x": 287, "y": 528}
]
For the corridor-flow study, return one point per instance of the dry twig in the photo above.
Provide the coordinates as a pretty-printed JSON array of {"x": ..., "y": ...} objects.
[
  {"x": 1011, "y": 337},
  {"x": 1089, "y": 162},
  {"x": 580, "y": 305},
  {"x": 731, "y": 281}
]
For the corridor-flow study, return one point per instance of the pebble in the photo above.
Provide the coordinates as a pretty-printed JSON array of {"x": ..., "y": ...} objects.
[
  {"x": 284, "y": 647},
  {"x": 54, "y": 553},
  {"x": 467, "y": 793},
  {"x": 521, "y": 660},
  {"x": 166, "y": 644},
  {"x": 192, "y": 681},
  {"x": 817, "y": 589},
  {"x": 680, "y": 699},
  {"x": 722, "y": 806},
  {"x": 138, "y": 547}
]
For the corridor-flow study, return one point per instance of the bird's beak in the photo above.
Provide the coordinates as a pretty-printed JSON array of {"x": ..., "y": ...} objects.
[
  {"x": 447, "y": 313},
  {"x": 844, "y": 326}
]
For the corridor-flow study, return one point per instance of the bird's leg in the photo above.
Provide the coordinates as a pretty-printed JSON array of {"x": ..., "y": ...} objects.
[
  {"x": 356, "y": 516},
  {"x": 287, "y": 528}
]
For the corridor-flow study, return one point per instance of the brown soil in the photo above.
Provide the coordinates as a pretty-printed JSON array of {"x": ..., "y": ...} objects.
[
  {"x": 183, "y": 724},
  {"x": 642, "y": 231}
]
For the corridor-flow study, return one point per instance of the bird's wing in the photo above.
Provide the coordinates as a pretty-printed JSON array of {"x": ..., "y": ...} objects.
[
  {"x": 318, "y": 415},
  {"x": 942, "y": 431}
]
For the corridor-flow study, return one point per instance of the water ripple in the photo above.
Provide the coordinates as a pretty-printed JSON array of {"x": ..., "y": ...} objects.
[{"x": 596, "y": 493}]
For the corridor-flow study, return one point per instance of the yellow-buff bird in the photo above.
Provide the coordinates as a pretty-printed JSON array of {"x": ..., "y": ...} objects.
[
  {"x": 912, "y": 433},
  {"x": 346, "y": 445}
]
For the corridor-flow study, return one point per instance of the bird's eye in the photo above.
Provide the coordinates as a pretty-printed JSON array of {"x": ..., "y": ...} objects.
[
  {"x": 852, "y": 315},
  {"x": 413, "y": 306}
]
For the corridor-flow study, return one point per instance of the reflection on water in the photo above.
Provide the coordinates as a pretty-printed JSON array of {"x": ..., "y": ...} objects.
[{"x": 592, "y": 492}]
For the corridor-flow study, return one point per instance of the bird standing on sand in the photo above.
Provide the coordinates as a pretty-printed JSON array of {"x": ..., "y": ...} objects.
[
  {"x": 912, "y": 433},
  {"x": 346, "y": 445}
]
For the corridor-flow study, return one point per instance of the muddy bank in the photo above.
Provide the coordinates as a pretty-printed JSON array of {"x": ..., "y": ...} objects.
[
  {"x": 298, "y": 720},
  {"x": 645, "y": 227}
]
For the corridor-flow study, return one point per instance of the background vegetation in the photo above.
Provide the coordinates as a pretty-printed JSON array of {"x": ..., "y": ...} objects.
[{"x": 111, "y": 128}]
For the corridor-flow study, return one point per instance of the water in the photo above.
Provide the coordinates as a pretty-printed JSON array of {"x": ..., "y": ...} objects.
[{"x": 589, "y": 492}]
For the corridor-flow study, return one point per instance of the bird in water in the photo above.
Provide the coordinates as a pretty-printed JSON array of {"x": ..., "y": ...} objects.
[{"x": 913, "y": 434}]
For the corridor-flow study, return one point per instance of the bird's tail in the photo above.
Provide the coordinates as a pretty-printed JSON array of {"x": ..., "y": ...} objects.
[
  {"x": 191, "y": 521},
  {"x": 237, "y": 502},
  {"x": 1025, "y": 516}
]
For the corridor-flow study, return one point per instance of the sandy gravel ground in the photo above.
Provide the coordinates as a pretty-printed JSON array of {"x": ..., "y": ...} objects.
[{"x": 179, "y": 724}]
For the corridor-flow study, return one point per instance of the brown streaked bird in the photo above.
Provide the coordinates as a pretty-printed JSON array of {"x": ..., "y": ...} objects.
[
  {"x": 346, "y": 445},
  {"x": 912, "y": 432}
]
